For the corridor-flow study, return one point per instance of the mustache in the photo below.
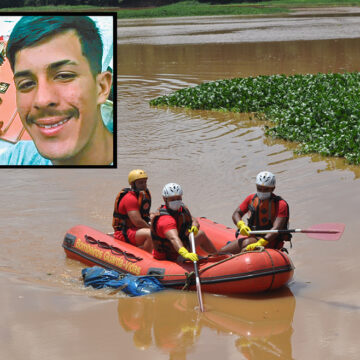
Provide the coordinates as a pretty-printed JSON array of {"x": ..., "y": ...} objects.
[{"x": 45, "y": 113}]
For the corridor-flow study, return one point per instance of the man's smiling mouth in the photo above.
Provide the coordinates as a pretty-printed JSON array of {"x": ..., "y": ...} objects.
[
  {"x": 49, "y": 126},
  {"x": 48, "y": 119}
]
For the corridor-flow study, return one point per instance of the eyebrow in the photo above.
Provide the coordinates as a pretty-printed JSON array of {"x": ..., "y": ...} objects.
[
  {"x": 52, "y": 66},
  {"x": 60, "y": 63}
]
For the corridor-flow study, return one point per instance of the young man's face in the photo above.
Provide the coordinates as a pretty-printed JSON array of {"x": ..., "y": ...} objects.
[{"x": 57, "y": 96}]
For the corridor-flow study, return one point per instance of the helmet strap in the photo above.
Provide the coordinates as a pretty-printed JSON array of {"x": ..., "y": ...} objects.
[{"x": 134, "y": 188}]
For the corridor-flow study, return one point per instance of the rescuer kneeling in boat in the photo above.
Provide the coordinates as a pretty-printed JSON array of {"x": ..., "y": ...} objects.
[
  {"x": 267, "y": 211},
  {"x": 171, "y": 226},
  {"x": 131, "y": 218}
]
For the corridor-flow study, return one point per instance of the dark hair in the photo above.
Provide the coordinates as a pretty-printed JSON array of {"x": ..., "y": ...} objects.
[{"x": 29, "y": 30}]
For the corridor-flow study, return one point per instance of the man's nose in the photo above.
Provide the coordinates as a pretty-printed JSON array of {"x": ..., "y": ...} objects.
[{"x": 46, "y": 94}]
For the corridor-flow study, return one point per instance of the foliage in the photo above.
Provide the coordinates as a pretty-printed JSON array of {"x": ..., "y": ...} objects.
[
  {"x": 194, "y": 8},
  {"x": 321, "y": 112},
  {"x": 166, "y": 8},
  {"x": 145, "y": 3},
  {"x": 226, "y": 7},
  {"x": 310, "y": 3}
]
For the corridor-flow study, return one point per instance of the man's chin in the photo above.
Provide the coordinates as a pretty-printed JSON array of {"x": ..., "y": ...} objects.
[{"x": 55, "y": 152}]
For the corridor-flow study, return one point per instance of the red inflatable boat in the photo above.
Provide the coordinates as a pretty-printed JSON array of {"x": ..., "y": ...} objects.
[{"x": 248, "y": 272}]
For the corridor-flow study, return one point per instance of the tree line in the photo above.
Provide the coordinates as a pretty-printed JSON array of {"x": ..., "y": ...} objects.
[
  {"x": 110, "y": 3},
  {"x": 21, "y": 3}
]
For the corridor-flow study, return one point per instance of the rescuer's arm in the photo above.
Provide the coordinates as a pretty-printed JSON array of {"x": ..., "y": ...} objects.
[
  {"x": 173, "y": 236},
  {"x": 137, "y": 220},
  {"x": 195, "y": 226},
  {"x": 236, "y": 217},
  {"x": 279, "y": 224}
]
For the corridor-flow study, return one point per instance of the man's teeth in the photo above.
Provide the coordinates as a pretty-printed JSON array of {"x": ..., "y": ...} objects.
[{"x": 54, "y": 125}]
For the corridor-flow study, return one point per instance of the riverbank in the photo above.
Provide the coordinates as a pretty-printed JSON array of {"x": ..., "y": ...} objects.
[{"x": 194, "y": 8}]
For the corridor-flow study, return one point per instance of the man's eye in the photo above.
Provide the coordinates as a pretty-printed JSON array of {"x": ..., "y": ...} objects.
[
  {"x": 65, "y": 76},
  {"x": 25, "y": 85}
]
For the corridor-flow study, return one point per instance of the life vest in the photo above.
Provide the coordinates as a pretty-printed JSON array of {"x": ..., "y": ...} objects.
[
  {"x": 263, "y": 214},
  {"x": 121, "y": 222},
  {"x": 183, "y": 223}
]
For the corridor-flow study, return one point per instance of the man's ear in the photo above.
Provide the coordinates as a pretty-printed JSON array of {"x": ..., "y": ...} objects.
[{"x": 103, "y": 82}]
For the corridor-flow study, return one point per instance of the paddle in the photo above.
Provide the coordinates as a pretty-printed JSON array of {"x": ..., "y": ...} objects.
[
  {"x": 198, "y": 286},
  {"x": 326, "y": 231}
]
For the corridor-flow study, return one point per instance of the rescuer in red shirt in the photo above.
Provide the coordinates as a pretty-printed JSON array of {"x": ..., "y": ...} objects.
[
  {"x": 131, "y": 216},
  {"x": 171, "y": 226},
  {"x": 266, "y": 211}
]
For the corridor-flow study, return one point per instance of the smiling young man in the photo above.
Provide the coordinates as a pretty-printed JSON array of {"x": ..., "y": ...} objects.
[{"x": 60, "y": 88}]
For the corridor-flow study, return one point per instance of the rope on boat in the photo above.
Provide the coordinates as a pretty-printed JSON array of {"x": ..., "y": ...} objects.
[
  {"x": 114, "y": 250},
  {"x": 273, "y": 266},
  {"x": 191, "y": 274}
]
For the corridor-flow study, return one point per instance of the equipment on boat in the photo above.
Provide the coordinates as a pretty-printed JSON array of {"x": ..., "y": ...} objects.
[
  {"x": 249, "y": 272},
  {"x": 99, "y": 278}
]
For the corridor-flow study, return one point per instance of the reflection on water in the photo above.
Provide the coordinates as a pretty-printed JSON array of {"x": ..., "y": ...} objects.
[{"x": 260, "y": 326}]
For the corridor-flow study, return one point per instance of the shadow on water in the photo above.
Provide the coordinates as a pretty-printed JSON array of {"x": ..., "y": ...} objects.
[{"x": 260, "y": 325}]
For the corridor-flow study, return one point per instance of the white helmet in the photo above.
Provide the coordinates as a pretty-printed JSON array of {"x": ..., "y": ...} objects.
[
  {"x": 265, "y": 178},
  {"x": 172, "y": 189}
]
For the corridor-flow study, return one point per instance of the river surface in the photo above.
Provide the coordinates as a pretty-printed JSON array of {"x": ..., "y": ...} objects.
[{"x": 46, "y": 313}]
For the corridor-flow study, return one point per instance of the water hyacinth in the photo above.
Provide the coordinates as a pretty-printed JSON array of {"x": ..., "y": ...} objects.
[{"x": 321, "y": 112}]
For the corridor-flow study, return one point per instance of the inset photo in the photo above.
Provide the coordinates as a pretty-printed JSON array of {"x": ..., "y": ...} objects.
[{"x": 57, "y": 105}]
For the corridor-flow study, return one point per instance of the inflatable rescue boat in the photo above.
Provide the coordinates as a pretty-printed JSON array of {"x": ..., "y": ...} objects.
[{"x": 249, "y": 272}]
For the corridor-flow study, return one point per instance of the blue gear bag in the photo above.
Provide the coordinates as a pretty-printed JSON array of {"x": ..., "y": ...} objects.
[{"x": 99, "y": 278}]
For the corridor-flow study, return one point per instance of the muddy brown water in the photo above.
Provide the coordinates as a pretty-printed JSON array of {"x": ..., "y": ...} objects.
[{"x": 45, "y": 311}]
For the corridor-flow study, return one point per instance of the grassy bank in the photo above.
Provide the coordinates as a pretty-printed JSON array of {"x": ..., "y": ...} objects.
[
  {"x": 184, "y": 8},
  {"x": 312, "y": 3},
  {"x": 194, "y": 8},
  {"x": 320, "y": 112}
]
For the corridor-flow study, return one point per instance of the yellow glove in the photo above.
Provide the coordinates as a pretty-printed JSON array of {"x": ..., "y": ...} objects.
[
  {"x": 188, "y": 255},
  {"x": 260, "y": 242},
  {"x": 194, "y": 229},
  {"x": 244, "y": 229}
]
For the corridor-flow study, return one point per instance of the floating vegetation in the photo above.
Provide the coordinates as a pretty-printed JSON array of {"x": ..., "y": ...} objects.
[{"x": 321, "y": 112}]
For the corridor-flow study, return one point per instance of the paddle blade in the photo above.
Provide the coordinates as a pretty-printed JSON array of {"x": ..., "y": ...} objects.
[{"x": 326, "y": 231}]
